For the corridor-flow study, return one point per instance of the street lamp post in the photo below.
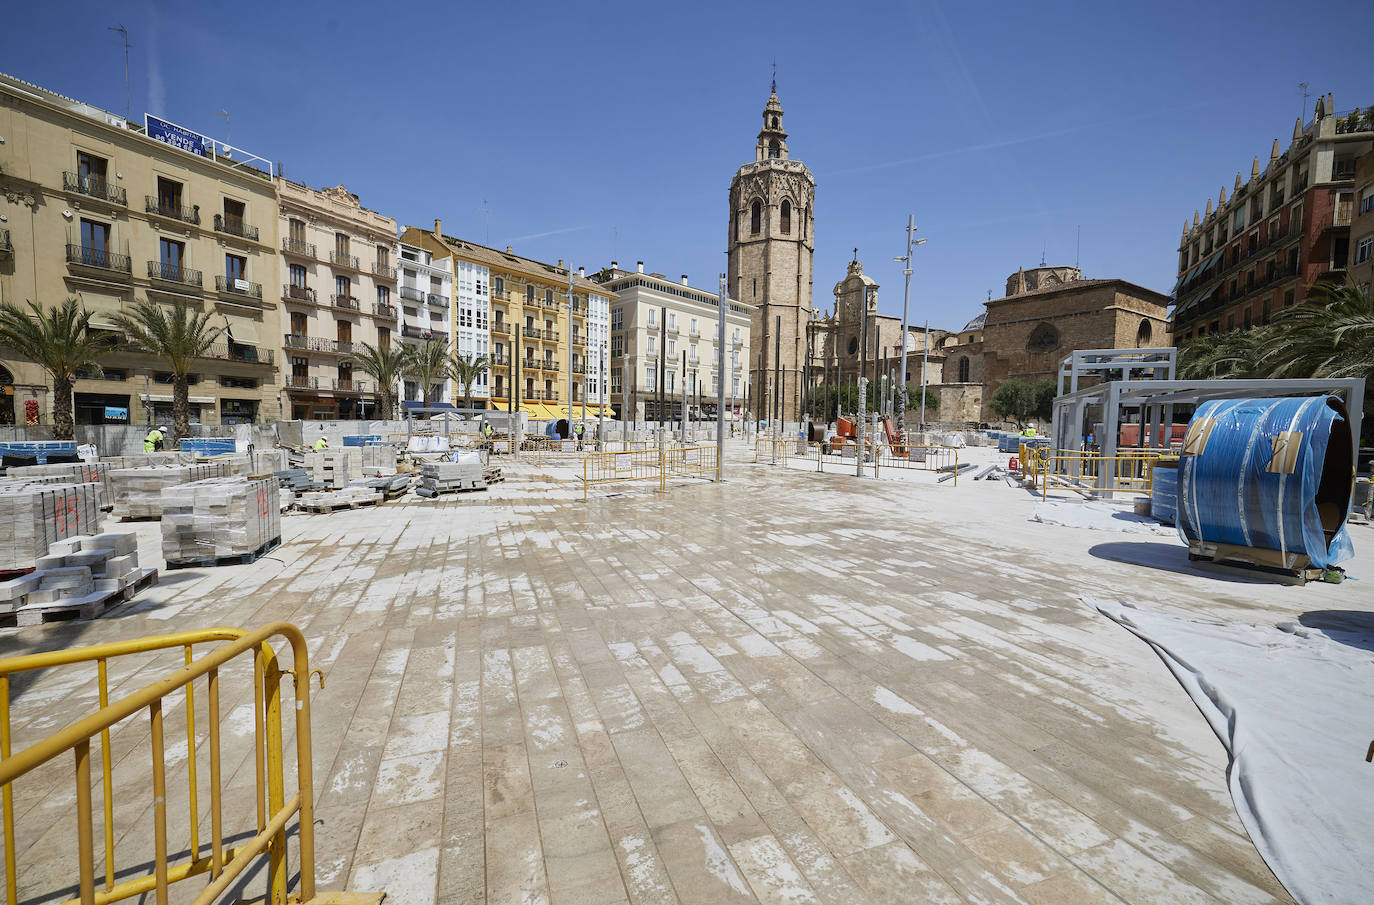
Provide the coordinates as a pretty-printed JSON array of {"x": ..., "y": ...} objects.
[{"x": 911, "y": 243}]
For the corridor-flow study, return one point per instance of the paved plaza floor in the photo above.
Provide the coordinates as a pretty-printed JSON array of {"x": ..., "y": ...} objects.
[{"x": 789, "y": 688}]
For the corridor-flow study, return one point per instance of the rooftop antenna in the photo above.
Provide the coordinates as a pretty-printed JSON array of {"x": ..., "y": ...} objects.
[
  {"x": 989, "y": 295},
  {"x": 1303, "y": 86},
  {"x": 486, "y": 214},
  {"x": 1042, "y": 252},
  {"x": 1077, "y": 245},
  {"x": 775, "y": 76},
  {"x": 225, "y": 114},
  {"x": 124, "y": 33}
]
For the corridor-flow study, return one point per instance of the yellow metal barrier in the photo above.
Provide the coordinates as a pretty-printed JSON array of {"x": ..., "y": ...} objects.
[
  {"x": 1086, "y": 473},
  {"x": 841, "y": 455},
  {"x": 656, "y": 463},
  {"x": 274, "y": 810}
]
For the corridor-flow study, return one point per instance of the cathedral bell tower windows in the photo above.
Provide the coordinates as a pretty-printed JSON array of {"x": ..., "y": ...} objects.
[
  {"x": 786, "y": 227},
  {"x": 756, "y": 218}
]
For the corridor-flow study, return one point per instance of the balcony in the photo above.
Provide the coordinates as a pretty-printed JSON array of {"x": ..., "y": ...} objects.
[
  {"x": 296, "y": 382},
  {"x": 579, "y": 340},
  {"x": 299, "y": 248},
  {"x": 318, "y": 344},
  {"x": 347, "y": 302},
  {"x": 5, "y": 247},
  {"x": 579, "y": 367},
  {"x": 672, "y": 329},
  {"x": 94, "y": 187},
  {"x": 171, "y": 273},
  {"x": 238, "y": 287},
  {"x": 384, "y": 270},
  {"x": 549, "y": 336},
  {"x": 166, "y": 207},
  {"x": 234, "y": 226},
  {"x": 343, "y": 259},
  {"x": 99, "y": 258},
  {"x": 303, "y": 294},
  {"x": 240, "y": 352},
  {"x": 501, "y": 328},
  {"x": 439, "y": 300},
  {"x": 349, "y": 385},
  {"x": 411, "y": 294},
  {"x": 414, "y": 332},
  {"x": 386, "y": 311},
  {"x": 548, "y": 364},
  {"x": 500, "y": 361}
]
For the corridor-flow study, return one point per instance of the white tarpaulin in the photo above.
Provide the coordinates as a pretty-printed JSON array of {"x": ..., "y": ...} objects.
[{"x": 1294, "y": 707}]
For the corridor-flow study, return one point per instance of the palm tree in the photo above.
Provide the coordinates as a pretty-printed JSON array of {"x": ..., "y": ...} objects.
[
  {"x": 178, "y": 336},
  {"x": 1236, "y": 353},
  {"x": 428, "y": 363},
  {"x": 465, "y": 369},
  {"x": 385, "y": 365},
  {"x": 1331, "y": 336},
  {"x": 59, "y": 341}
]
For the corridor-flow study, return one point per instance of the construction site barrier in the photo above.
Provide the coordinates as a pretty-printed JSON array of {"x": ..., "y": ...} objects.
[
  {"x": 840, "y": 456},
  {"x": 653, "y": 464},
  {"x": 1093, "y": 475},
  {"x": 274, "y": 811}
]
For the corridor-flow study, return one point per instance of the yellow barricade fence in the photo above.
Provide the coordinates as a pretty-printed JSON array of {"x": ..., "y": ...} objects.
[
  {"x": 654, "y": 464},
  {"x": 160, "y": 869},
  {"x": 1086, "y": 473},
  {"x": 840, "y": 456}
]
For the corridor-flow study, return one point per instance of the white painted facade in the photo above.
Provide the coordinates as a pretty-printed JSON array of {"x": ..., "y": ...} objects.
[
  {"x": 425, "y": 293},
  {"x": 472, "y": 301}
]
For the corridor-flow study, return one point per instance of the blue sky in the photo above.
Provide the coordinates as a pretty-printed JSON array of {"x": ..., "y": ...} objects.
[{"x": 597, "y": 132}]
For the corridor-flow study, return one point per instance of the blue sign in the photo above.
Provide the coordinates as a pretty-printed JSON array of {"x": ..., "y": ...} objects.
[
  {"x": 116, "y": 413},
  {"x": 176, "y": 136}
]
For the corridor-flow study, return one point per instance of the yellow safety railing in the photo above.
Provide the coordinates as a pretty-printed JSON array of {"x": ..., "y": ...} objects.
[
  {"x": 1095, "y": 475},
  {"x": 652, "y": 464},
  {"x": 274, "y": 811},
  {"x": 840, "y": 455}
]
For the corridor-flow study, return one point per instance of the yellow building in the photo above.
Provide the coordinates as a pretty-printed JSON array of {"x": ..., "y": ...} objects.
[
  {"x": 551, "y": 352},
  {"x": 95, "y": 208}
]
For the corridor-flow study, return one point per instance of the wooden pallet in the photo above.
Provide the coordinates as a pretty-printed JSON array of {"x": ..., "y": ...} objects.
[
  {"x": 1220, "y": 555},
  {"x": 62, "y": 611},
  {"x": 431, "y": 494},
  {"x": 240, "y": 559},
  {"x": 325, "y": 509}
]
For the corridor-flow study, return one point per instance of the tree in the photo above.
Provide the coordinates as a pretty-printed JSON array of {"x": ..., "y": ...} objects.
[
  {"x": 386, "y": 366},
  {"x": 178, "y": 336},
  {"x": 1236, "y": 353},
  {"x": 59, "y": 340},
  {"x": 427, "y": 364},
  {"x": 1021, "y": 401},
  {"x": 825, "y": 402},
  {"x": 1331, "y": 336},
  {"x": 465, "y": 369}
]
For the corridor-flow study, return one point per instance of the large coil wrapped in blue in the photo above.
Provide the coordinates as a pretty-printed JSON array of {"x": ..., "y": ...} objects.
[{"x": 1271, "y": 475}]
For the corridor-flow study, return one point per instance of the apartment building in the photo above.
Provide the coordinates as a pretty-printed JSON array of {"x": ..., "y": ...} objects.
[
  {"x": 1285, "y": 229},
  {"x": 652, "y": 317},
  {"x": 338, "y": 292},
  {"x": 1362, "y": 226},
  {"x": 472, "y": 324},
  {"x": 426, "y": 298},
  {"x": 96, "y": 208},
  {"x": 547, "y": 325}
]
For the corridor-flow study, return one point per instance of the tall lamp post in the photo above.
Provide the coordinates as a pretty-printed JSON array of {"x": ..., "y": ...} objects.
[{"x": 911, "y": 243}]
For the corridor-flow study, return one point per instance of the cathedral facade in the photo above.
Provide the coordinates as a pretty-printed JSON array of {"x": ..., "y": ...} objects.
[{"x": 770, "y": 248}]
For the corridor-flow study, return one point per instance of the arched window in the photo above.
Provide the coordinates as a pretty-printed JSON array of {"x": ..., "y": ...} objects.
[
  {"x": 1143, "y": 334},
  {"x": 786, "y": 217},
  {"x": 773, "y": 148},
  {"x": 756, "y": 218},
  {"x": 775, "y": 122},
  {"x": 963, "y": 369},
  {"x": 736, "y": 223}
]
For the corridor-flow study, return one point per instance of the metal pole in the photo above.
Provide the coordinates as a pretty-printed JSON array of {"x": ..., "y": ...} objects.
[
  {"x": 720, "y": 388},
  {"x": 662, "y": 369},
  {"x": 682, "y": 433},
  {"x": 777, "y": 374},
  {"x": 925, "y": 356},
  {"x": 863, "y": 388},
  {"x": 602, "y": 380},
  {"x": 515, "y": 432}
]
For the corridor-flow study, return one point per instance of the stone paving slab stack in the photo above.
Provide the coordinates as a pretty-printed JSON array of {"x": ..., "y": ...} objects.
[
  {"x": 219, "y": 517},
  {"x": 138, "y": 491},
  {"x": 79, "y": 575},
  {"x": 381, "y": 459},
  {"x": 35, "y": 516},
  {"x": 73, "y": 472},
  {"x": 351, "y": 497},
  {"x": 335, "y": 467},
  {"x": 269, "y": 461},
  {"x": 438, "y": 477}
]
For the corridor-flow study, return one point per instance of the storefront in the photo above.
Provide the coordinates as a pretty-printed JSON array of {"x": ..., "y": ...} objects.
[
  {"x": 238, "y": 411},
  {"x": 101, "y": 408}
]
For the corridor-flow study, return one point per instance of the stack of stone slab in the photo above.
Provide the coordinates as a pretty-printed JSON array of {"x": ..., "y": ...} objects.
[
  {"x": 268, "y": 461},
  {"x": 78, "y": 577},
  {"x": 335, "y": 467},
  {"x": 379, "y": 460},
  {"x": 219, "y": 518},
  {"x": 450, "y": 477},
  {"x": 143, "y": 460},
  {"x": 34, "y": 516},
  {"x": 350, "y": 497},
  {"x": 68, "y": 473},
  {"x": 389, "y": 486},
  {"x": 138, "y": 491}
]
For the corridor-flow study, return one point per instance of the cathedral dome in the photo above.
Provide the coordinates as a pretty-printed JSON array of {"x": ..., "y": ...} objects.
[{"x": 976, "y": 324}]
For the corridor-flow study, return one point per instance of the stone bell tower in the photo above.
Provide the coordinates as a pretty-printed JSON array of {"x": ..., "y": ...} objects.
[{"x": 772, "y": 219}]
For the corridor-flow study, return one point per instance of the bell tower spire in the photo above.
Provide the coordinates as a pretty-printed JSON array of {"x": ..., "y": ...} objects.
[{"x": 772, "y": 143}]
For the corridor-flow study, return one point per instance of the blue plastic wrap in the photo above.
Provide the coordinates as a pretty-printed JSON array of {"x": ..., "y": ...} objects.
[
  {"x": 1269, "y": 474},
  {"x": 1164, "y": 494},
  {"x": 208, "y": 446},
  {"x": 362, "y": 439}
]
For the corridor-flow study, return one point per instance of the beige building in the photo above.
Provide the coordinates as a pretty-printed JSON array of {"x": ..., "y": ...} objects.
[
  {"x": 338, "y": 292},
  {"x": 770, "y": 248},
  {"x": 652, "y": 317},
  {"x": 96, "y": 209},
  {"x": 547, "y": 325}
]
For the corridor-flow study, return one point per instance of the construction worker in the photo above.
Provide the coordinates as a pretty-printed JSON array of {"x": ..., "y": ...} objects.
[
  {"x": 153, "y": 441},
  {"x": 581, "y": 429},
  {"x": 321, "y": 443}
]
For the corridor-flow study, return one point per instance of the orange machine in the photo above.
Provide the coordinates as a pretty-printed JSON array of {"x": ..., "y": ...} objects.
[{"x": 894, "y": 439}]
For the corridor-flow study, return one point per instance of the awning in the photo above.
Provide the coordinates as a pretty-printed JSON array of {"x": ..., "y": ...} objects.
[
  {"x": 245, "y": 333},
  {"x": 103, "y": 322},
  {"x": 194, "y": 400}
]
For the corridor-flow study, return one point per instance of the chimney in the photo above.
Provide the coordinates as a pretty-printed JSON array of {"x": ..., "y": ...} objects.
[
  {"x": 639, "y": 266},
  {"x": 615, "y": 265},
  {"x": 560, "y": 263},
  {"x": 510, "y": 250},
  {"x": 438, "y": 227},
  {"x": 684, "y": 279},
  {"x": 582, "y": 271}
]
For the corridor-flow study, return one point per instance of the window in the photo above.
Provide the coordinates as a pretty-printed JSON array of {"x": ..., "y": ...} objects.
[
  {"x": 653, "y": 317},
  {"x": 95, "y": 243},
  {"x": 234, "y": 212},
  {"x": 1367, "y": 201},
  {"x": 383, "y": 338},
  {"x": 170, "y": 254},
  {"x": 672, "y": 320},
  {"x": 1364, "y": 249},
  {"x": 693, "y": 327},
  {"x": 383, "y": 256},
  {"x": 963, "y": 370},
  {"x": 617, "y": 380},
  {"x": 672, "y": 380},
  {"x": 548, "y": 296},
  {"x": 298, "y": 276},
  {"x": 235, "y": 268},
  {"x": 91, "y": 170},
  {"x": 384, "y": 296},
  {"x": 498, "y": 285},
  {"x": 296, "y": 232},
  {"x": 1145, "y": 331},
  {"x": 773, "y": 148},
  {"x": 786, "y": 227},
  {"x": 298, "y": 324},
  {"x": 653, "y": 347},
  {"x": 617, "y": 319},
  {"x": 617, "y": 346},
  {"x": 341, "y": 245},
  {"x": 169, "y": 196},
  {"x": 756, "y": 218},
  {"x": 345, "y": 333},
  {"x": 529, "y": 293},
  {"x": 1266, "y": 311}
]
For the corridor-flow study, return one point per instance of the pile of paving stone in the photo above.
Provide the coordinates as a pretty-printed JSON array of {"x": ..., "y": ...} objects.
[
  {"x": 219, "y": 518},
  {"x": 451, "y": 477},
  {"x": 389, "y": 486},
  {"x": 350, "y": 497},
  {"x": 78, "y": 577},
  {"x": 34, "y": 516},
  {"x": 138, "y": 491},
  {"x": 335, "y": 467}
]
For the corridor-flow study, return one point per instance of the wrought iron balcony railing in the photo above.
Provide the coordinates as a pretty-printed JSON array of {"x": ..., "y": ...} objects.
[
  {"x": 318, "y": 344},
  {"x": 347, "y": 302},
  {"x": 227, "y": 351},
  {"x": 98, "y": 257},
  {"x": 95, "y": 187},
  {"x": 410, "y": 293},
  {"x": 382, "y": 310},
  {"x": 164, "y": 207},
  {"x": 5, "y": 246},
  {"x": 501, "y": 328},
  {"x": 385, "y": 271},
  {"x": 238, "y": 287},
  {"x": 296, "y": 382},
  {"x": 343, "y": 259},
  {"x": 172, "y": 273},
  {"x": 299, "y": 248},
  {"x": 293, "y": 293},
  {"x": 349, "y": 385},
  {"x": 235, "y": 227}
]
